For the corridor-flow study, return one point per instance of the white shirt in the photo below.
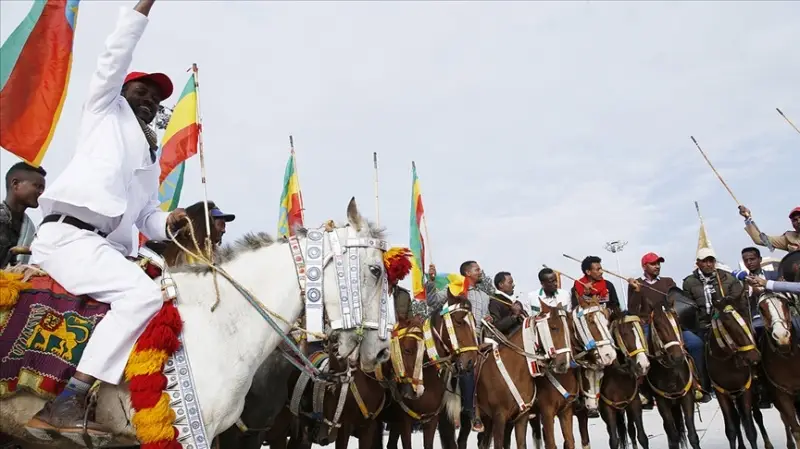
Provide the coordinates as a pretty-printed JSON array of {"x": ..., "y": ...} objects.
[
  {"x": 538, "y": 297},
  {"x": 111, "y": 182}
]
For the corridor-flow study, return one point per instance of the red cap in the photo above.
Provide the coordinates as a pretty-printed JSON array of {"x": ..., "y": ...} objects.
[
  {"x": 794, "y": 212},
  {"x": 651, "y": 258},
  {"x": 162, "y": 81}
]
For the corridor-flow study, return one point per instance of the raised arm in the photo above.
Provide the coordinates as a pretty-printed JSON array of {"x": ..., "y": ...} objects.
[
  {"x": 779, "y": 241},
  {"x": 113, "y": 64}
]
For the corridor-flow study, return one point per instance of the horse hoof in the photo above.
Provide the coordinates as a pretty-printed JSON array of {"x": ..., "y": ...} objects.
[{"x": 587, "y": 446}]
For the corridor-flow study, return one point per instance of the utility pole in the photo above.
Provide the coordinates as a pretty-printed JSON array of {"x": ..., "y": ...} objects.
[{"x": 616, "y": 247}]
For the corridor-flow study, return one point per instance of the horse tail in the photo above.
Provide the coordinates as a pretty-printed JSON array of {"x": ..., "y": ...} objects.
[
  {"x": 622, "y": 429},
  {"x": 680, "y": 426},
  {"x": 452, "y": 404}
]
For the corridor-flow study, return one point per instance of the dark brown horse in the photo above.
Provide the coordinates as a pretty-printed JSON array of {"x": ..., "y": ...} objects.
[
  {"x": 560, "y": 386},
  {"x": 619, "y": 390},
  {"x": 781, "y": 361},
  {"x": 419, "y": 391},
  {"x": 671, "y": 377},
  {"x": 731, "y": 355}
]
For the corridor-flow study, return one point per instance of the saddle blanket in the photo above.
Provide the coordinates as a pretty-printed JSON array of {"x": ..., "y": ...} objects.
[
  {"x": 530, "y": 344},
  {"x": 43, "y": 337}
]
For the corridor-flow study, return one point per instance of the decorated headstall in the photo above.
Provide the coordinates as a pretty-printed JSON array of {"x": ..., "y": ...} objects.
[
  {"x": 155, "y": 266},
  {"x": 398, "y": 365},
  {"x": 346, "y": 259},
  {"x": 447, "y": 317},
  {"x": 658, "y": 346},
  {"x": 581, "y": 319},
  {"x": 640, "y": 345},
  {"x": 723, "y": 337},
  {"x": 546, "y": 337}
]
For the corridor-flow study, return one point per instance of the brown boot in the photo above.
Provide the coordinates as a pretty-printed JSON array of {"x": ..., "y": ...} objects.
[{"x": 68, "y": 417}]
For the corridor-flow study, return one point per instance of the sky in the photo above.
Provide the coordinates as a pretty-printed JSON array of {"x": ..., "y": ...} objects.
[{"x": 537, "y": 128}]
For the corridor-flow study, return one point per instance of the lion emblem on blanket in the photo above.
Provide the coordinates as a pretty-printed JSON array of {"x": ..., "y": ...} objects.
[{"x": 60, "y": 335}]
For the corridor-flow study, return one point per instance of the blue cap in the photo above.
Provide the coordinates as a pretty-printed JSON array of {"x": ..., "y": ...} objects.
[{"x": 216, "y": 213}]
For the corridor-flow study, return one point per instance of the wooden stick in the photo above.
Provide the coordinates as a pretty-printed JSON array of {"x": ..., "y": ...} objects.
[
  {"x": 715, "y": 170},
  {"x": 643, "y": 284},
  {"x": 787, "y": 120},
  {"x": 589, "y": 286},
  {"x": 377, "y": 200}
]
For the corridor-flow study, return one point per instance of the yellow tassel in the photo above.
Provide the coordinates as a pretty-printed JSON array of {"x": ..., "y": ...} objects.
[
  {"x": 10, "y": 286},
  {"x": 149, "y": 361},
  {"x": 155, "y": 424}
]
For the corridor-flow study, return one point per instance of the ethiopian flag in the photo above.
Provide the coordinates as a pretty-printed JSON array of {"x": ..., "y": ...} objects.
[
  {"x": 182, "y": 134},
  {"x": 291, "y": 209},
  {"x": 35, "y": 63},
  {"x": 416, "y": 242}
]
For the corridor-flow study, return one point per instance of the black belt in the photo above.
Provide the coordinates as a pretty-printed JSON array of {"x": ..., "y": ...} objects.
[{"x": 72, "y": 221}]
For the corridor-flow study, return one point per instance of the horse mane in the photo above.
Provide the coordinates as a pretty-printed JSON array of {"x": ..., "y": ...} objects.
[{"x": 254, "y": 241}]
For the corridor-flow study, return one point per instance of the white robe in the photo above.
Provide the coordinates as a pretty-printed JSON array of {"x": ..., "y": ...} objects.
[{"x": 111, "y": 184}]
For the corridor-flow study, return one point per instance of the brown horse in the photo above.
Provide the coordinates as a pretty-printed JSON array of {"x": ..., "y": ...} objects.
[
  {"x": 731, "y": 355},
  {"x": 425, "y": 380},
  {"x": 781, "y": 361},
  {"x": 560, "y": 386},
  {"x": 672, "y": 377},
  {"x": 619, "y": 390}
]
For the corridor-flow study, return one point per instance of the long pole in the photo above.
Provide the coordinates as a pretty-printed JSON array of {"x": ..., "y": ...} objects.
[
  {"x": 646, "y": 285},
  {"x": 377, "y": 200},
  {"x": 715, "y": 171},
  {"x": 787, "y": 120},
  {"x": 209, "y": 249},
  {"x": 623, "y": 291}
]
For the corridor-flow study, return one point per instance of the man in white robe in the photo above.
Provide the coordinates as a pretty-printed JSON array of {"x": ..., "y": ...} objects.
[
  {"x": 110, "y": 185},
  {"x": 549, "y": 294}
]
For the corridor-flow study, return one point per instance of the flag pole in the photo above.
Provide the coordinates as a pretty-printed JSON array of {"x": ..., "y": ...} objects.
[
  {"x": 787, "y": 120},
  {"x": 377, "y": 200},
  {"x": 195, "y": 75},
  {"x": 297, "y": 174}
]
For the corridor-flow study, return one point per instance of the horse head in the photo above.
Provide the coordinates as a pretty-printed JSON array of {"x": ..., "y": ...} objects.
[
  {"x": 731, "y": 328},
  {"x": 408, "y": 352},
  {"x": 457, "y": 331},
  {"x": 666, "y": 339},
  {"x": 631, "y": 341},
  {"x": 552, "y": 329},
  {"x": 364, "y": 312},
  {"x": 775, "y": 313},
  {"x": 592, "y": 332}
]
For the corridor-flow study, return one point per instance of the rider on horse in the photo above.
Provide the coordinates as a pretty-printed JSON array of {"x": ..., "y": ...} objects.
[
  {"x": 592, "y": 284},
  {"x": 789, "y": 241},
  {"x": 550, "y": 293},
  {"x": 479, "y": 300},
  {"x": 110, "y": 185},
  {"x": 24, "y": 186},
  {"x": 506, "y": 312},
  {"x": 701, "y": 286}
]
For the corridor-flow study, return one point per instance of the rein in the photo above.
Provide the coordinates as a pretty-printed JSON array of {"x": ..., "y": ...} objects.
[
  {"x": 723, "y": 337},
  {"x": 659, "y": 351},
  {"x": 580, "y": 317}
]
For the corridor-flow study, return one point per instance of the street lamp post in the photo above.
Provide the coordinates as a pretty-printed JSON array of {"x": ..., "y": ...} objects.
[{"x": 616, "y": 247}]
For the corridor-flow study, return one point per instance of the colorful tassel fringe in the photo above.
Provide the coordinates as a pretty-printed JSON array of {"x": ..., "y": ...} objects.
[{"x": 153, "y": 418}]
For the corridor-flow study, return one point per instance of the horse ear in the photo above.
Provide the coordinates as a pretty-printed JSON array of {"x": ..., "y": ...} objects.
[
  {"x": 354, "y": 216},
  {"x": 545, "y": 308}
]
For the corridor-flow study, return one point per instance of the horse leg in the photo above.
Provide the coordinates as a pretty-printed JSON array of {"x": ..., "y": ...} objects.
[
  {"x": 634, "y": 411},
  {"x": 463, "y": 433},
  {"x": 429, "y": 432},
  {"x": 548, "y": 428},
  {"x": 406, "y": 424},
  {"x": 498, "y": 432},
  {"x": 729, "y": 415},
  {"x": 343, "y": 436},
  {"x": 485, "y": 438},
  {"x": 447, "y": 433},
  {"x": 759, "y": 418},
  {"x": 583, "y": 426},
  {"x": 785, "y": 405},
  {"x": 687, "y": 404},
  {"x": 670, "y": 428},
  {"x": 565, "y": 419},
  {"x": 507, "y": 435},
  {"x": 520, "y": 426},
  {"x": 536, "y": 430},
  {"x": 745, "y": 403},
  {"x": 366, "y": 437},
  {"x": 609, "y": 416},
  {"x": 394, "y": 435}
]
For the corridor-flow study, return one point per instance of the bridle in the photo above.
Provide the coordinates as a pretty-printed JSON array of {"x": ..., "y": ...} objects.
[
  {"x": 432, "y": 334},
  {"x": 659, "y": 348},
  {"x": 545, "y": 337},
  {"x": 581, "y": 317},
  {"x": 723, "y": 337},
  {"x": 776, "y": 315},
  {"x": 640, "y": 342},
  {"x": 310, "y": 271},
  {"x": 398, "y": 365}
]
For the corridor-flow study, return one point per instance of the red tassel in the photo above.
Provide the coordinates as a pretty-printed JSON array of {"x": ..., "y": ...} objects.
[{"x": 162, "y": 331}]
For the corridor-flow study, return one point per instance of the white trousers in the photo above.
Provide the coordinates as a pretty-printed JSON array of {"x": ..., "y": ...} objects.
[{"x": 85, "y": 263}]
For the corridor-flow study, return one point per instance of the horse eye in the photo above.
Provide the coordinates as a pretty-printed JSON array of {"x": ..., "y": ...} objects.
[{"x": 375, "y": 270}]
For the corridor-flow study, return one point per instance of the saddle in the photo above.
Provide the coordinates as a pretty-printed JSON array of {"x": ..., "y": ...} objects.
[{"x": 44, "y": 329}]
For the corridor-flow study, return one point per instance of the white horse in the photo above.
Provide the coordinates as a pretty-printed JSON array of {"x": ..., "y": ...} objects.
[{"x": 225, "y": 347}]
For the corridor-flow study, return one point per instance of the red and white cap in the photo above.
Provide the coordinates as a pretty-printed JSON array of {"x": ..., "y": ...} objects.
[
  {"x": 651, "y": 258},
  {"x": 159, "y": 79}
]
